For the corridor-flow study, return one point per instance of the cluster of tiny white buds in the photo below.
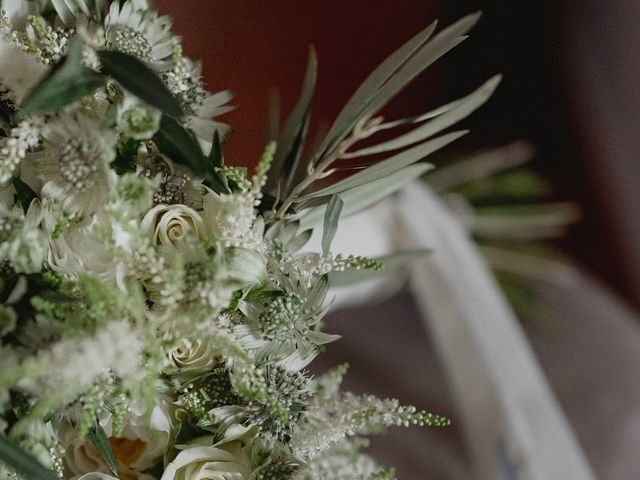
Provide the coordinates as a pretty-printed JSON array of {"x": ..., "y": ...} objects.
[
  {"x": 52, "y": 43},
  {"x": 24, "y": 136}
]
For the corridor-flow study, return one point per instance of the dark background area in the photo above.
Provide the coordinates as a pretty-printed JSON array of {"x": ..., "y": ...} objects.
[{"x": 570, "y": 85}]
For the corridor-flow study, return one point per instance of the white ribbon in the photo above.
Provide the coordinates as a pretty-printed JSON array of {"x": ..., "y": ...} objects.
[{"x": 514, "y": 426}]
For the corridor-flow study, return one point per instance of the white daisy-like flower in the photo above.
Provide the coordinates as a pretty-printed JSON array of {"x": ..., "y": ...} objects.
[
  {"x": 202, "y": 120},
  {"x": 75, "y": 163},
  {"x": 184, "y": 80},
  {"x": 141, "y": 33}
]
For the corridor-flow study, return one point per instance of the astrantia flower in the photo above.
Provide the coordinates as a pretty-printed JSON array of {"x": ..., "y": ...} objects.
[
  {"x": 139, "y": 32},
  {"x": 138, "y": 120},
  {"x": 185, "y": 82},
  {"x": 202, "y": 122},
  {"x": 74, "y": 166}
]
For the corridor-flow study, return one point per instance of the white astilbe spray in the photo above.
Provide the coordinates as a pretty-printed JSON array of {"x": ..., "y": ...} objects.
[
  {"x": 351, "y": 414},
  {"x": 24, "y": 73},
  {"x": 71, "y": 365},
  {"x": 345, "y": 462},
  {"x": 13, "y": 148}
]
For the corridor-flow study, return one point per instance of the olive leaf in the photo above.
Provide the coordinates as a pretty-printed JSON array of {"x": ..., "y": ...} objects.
[
  {"x": 331, "y": 218},
  {"x": 140, "y": 80},
  {"x": 98, "y": 438},
  {"x": 23, "y": 463},
  {"x": 66, "y": 83}
]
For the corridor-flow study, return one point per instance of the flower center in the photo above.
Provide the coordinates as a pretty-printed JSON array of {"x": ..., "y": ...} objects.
[
  {"x": 75, "y": 166},
  {"x": 126, "y": 450},
  {"x": 130, "y": 41}
]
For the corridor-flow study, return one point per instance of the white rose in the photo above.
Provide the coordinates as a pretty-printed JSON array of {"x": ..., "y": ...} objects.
[
  {"x": 94, "y": 476},
  {"x": 80, "y": 249},
  {"x": 170, "y": 224},
  {"x": 141, "y": 444},
  {"x": 201, "y": 459},
  {"x": 191, "y": 358}
]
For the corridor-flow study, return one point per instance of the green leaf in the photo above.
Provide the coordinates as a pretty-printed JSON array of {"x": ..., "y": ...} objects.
[
  {"x": 98, "y": 438},
  {"x": 364, "y": 196},
  {"x": 66, "y": 83},
  {"x": 140, "y": 80},
  {"x": 331, "y": 218},
  {"x": 23, "y": 463},
  {"x": 456, "y": 112},
  {"x": 291, "y": 141},
  {"x": 216, "y": 158},
  {"x": 181, "y": 146},
  {"x": 393, "y": 75},
  {"x": 349, "y": 114},
  {"x": 23, "y": 192},
  {"x": 391, "y": 262},
  {"x": 389, "y": 166},
  {"x": 64, "y": 12}
]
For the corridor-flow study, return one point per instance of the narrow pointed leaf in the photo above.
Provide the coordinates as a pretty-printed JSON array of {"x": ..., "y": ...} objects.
[
  {"x": 98, "y": 438},
  {"x": 413, "y": 58},
  {"x": 63, "y": 11},
  {"x": 216, "y": 159},
  {"x": 331, "y": 218},
  {"x": 349, "y": 114},
  {"x": 23, "y": 463},
  {"x": 389, "y": 166},
  {"x": 364, "y": 196},
  {"x": 66, "y": 83},
  {"x": 291, "y": 141},
  {"x": 140, "y": 80},
  {"x": 391, "y": 263},
  {"x": 463, "y": 107},
  {"x": 181, "y": 146}
]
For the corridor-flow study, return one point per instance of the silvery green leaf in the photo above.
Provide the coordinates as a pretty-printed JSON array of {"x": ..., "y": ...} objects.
[
  {"x": 64, "y": 12},
  {"x": 441, "y": 43},
  {"x": 456, "y": 111},
  {"x": 391, "y": 262},
  {"x": 331, "y": 218},
  {"x": 66, "y": 83},
  {"x": 98, "y": 438},
  {"x": 140, "y": 80},
  {"x": 299, "y": 241},
  {"x": 349, "y": 114},
  {"x": 291, "y": 141},
  {"x": 216, "y": 158},
  {"x": 387, "y": 167},
  {"x": 23, "y": 463},
  {"x": 481, "y": 165},
  {"x": 181, "y": 146},
  {"x": 524, "y": 221},
  {"x": 361, "y": 197},
  {"x": 393, "y": 75}
]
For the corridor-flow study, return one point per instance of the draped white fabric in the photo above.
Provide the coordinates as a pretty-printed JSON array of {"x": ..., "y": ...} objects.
[{"x": 513, "y": 423}]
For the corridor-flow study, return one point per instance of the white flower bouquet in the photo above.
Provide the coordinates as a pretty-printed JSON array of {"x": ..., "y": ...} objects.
[{"x": 159, "y": 311}]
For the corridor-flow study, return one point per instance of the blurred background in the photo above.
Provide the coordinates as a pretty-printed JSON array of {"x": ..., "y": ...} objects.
[{"x": 571, "y": 87}]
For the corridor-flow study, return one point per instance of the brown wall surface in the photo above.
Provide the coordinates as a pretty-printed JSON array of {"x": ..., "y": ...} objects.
[{"x": 253, "y": 46}]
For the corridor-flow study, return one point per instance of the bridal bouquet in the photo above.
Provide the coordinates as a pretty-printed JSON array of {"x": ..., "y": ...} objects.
[{"x": 159, "y": 309}]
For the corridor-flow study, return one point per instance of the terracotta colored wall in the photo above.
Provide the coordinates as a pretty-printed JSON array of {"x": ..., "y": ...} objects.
[{"x": 251, "y": 46}]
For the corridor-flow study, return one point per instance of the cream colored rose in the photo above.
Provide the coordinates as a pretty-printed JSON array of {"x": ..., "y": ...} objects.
[
  {"x": 80, "y": 249},
  {"x": 201, "y": 460},
  {"x": 170, "y": 224},
  {"x": 191, "y": 358},
  {"x": 141, "y": 444},
  {"x": 94, "y": 476}
]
